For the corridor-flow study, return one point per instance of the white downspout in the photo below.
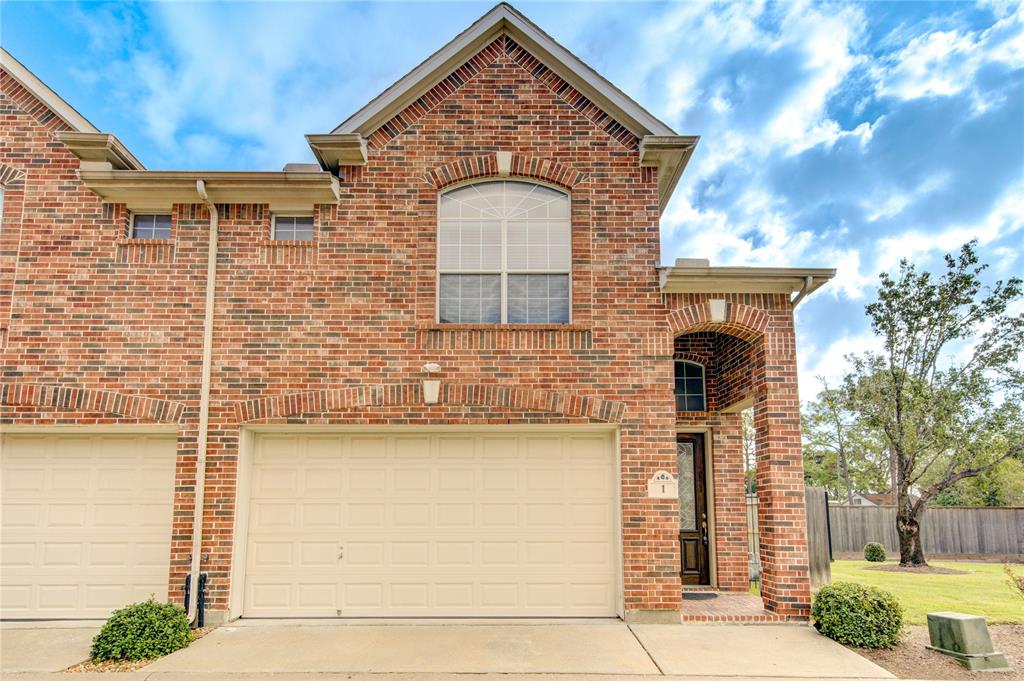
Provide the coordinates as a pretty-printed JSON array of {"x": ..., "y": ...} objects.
[
  {"x": 204, "y": 406},
  {"x": 803, "y": 291}
]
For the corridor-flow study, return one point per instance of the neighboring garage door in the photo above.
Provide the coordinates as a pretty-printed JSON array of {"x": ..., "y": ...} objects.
[
  {"x": 85, "y": 523},
  {"x": 492, "y": 523}
]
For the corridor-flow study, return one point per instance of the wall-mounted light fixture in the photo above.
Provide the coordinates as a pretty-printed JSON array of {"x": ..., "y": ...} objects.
[{"x": 431, "y": 387}]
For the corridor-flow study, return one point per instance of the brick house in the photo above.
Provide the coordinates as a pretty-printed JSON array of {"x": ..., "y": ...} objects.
[{"x": 439, "y": 373}]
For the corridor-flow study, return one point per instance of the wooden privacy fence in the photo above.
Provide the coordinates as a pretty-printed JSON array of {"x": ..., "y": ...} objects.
[
  {"x": 944, "y": 530},
  {"x": 819, "y": 552}
]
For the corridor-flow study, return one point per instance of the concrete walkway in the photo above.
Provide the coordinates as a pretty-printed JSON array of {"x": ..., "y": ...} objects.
[
  {"x": 436, "y": 652},
  {"x": 44, "y": 646}
]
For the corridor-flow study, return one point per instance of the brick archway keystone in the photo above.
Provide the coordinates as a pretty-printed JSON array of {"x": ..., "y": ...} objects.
[
  {"x": 402, "y": 394},
  {"x": 90, "y": 400},
  {"x": 736, "y": 319},
  {"x": 521, "y": 166}
]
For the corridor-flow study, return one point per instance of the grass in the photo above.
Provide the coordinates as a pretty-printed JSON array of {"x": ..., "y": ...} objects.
[{"x": 984, "y": 591}]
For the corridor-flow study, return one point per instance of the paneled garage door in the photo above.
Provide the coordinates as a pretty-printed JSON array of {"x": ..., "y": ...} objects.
[
  {"x": 85, "y": 523},
  {"x": 428, "y": 524}
]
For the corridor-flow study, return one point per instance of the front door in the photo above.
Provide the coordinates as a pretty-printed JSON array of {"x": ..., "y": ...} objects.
[{"x": 693, "y": 512}]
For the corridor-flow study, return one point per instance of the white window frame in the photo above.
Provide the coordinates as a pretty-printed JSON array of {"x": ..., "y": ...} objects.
[
  {"x": 703, "y": 383},
  {"x": 131, "y": 225},
  {"x": 292, "y": 214},
  {"x": 504, "y": 271},
  {"x": 2, "y": 189}
]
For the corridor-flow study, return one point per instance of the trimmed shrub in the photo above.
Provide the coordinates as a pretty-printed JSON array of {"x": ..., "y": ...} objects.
[
  {"x": 874, "y": 552},
  {"x": 858, "y": 615},
  {"x": 142, "y": 631}
]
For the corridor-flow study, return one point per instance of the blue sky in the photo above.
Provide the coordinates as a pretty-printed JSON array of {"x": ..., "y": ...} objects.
[{"x": 834, "y": 135}]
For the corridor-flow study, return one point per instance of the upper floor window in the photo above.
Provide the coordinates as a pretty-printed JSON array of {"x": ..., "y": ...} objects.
[
  {"x": 504, "y": 254},
  {"x": 150, "y": 226},
  {"x": 291, "y": 227},
  {"x": 689, "y": 389}
]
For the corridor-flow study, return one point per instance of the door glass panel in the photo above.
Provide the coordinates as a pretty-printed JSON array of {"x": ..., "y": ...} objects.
[{"x": 687, "y": 494}]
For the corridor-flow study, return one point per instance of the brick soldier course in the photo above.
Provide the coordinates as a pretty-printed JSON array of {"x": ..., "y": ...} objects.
[{"x": 98, "y": 328}]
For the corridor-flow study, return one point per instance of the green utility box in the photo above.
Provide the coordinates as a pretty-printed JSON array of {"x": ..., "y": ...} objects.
[{"x": 966, "y": 638}]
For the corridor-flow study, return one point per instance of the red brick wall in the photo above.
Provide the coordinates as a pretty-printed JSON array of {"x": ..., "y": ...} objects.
[{"x": 355, "y": 308}]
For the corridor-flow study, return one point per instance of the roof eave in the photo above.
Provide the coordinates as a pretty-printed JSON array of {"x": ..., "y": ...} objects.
[
  {"x": 159, "y": 190},
  {"x": 334, "y": 150},
  {"x": 670, "y": 155},
  {"x": 788, "y": 280},
  {"x": 99, "y": 151}
]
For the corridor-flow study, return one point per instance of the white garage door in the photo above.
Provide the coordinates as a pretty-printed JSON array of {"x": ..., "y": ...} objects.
[
  {"x": 477, "y": 524},
  {"x": 85, "y": 523}
]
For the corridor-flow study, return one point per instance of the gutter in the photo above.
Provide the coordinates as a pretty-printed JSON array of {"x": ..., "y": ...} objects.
[{"x": 204, "y": 407}]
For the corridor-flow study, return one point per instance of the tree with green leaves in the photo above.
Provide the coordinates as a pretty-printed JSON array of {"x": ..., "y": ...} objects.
[
  {"x": 842, "y": 453},
  {"x": 946, "y": 391}
]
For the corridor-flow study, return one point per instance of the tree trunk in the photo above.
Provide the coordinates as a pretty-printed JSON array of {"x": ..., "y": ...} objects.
[
  {"x": 909, "y": 530},
  {"x": 846, "y": 479}
]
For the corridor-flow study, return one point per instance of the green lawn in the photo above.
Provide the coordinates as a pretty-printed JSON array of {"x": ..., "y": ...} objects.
[{"x": 983, "y": 592}]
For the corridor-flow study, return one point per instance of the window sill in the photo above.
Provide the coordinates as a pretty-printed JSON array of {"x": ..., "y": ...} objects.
[
  {"x": 125, "y": 241},
  {"x": 285, "y": 243},
  {"x": 510, "y": 337}
]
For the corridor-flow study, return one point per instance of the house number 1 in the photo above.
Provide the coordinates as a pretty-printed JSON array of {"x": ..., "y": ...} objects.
[{"x": 662, "y": 485}]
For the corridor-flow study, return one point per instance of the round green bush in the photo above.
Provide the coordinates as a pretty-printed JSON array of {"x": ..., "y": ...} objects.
[
  {"x": 142, "y": 631},
  {"x": 874, "y": 552},
  {"x": 858, "y": 615}
]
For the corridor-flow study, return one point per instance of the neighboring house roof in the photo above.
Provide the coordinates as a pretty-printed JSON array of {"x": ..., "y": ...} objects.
[
  {"x": 44, "y": 94},
  {"x": 879, "y": 499},
  {"x": 858, "y": 499}
]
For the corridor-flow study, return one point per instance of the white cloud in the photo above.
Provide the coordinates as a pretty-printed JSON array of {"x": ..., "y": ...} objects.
[
  {"x": 256, "y": 76},
  {"x": 829, "y": 362},
  {"x": 815, "y": 46},
  {"x": 891, "y": 203},
  {"x": 943, "y": 63},
  {"x": 1005, "y": 218}
]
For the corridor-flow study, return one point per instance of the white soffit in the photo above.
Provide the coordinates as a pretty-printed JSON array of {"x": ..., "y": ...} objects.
[
  {"x": 504, "y": 18},
  {"x": 43, "y": 93},
  {"x": 743, "y": 279}
]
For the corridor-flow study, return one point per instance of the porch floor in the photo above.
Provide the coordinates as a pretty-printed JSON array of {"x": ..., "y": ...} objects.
[{"x": 723, "y": 606}]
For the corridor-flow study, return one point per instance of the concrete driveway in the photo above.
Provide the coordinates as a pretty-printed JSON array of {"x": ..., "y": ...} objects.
[
  {"x": 44, "y": 646},
  {"x": 605, "y": 650},
  {"x": 611, "y": 648}
]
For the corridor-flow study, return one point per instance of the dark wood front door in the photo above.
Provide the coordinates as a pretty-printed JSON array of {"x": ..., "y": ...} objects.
[{"x": 693, "y": 512}]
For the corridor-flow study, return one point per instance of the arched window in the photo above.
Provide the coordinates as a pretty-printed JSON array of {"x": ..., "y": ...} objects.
[
  {"x": 690, "y": 391},
  {"x": 504, "y": 254}
]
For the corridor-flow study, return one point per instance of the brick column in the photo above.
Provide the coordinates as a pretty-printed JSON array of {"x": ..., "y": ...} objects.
[
  {"x": 730, "y": 503},
  {"x": 782, "y": 523}
]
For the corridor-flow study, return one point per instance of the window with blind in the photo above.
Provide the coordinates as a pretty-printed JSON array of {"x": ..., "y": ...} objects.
[{"x": 504, "y": 254}]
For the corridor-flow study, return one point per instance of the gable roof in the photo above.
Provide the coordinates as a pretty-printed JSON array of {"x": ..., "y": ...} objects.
[
  {"x": 660, "y": 147},
  {"x": 44, "y": 94},
  {"x": 504, "y": 18}
]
